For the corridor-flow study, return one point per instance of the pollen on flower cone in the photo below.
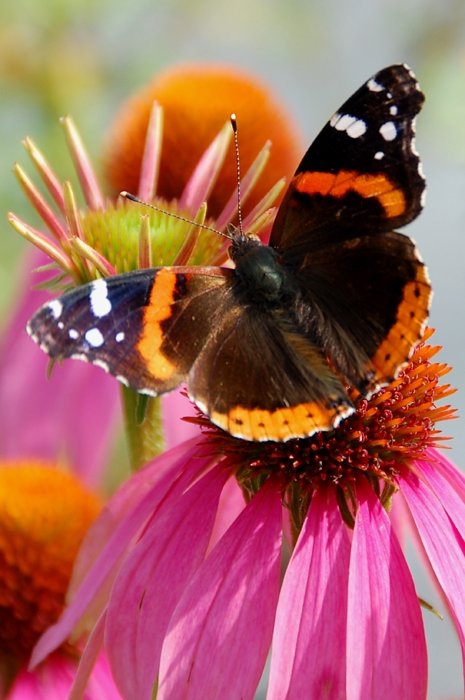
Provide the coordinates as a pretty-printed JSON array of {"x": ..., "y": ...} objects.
[
  {"x": 197, "y": 101},
  {"x": 44, "y": 515}
]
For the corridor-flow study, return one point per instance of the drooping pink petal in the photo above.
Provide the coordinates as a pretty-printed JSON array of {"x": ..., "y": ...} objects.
[
  {"x": 176, "y": 406},
  {"x": 453, "y": 475},
  {"x": 88, "y": 660},
  {"x": 117, "y": 509},
  {"x": 444, "y": 484},
  {"x": 176, "y": 469},
  {"x": 386, "y": 647},
  {"x": 152, "y": 580},
  {"x": 232, "y": 503},
  {"x": 443, "y": 543},
  {"x": 309, "y": 641},
  {"x": 54, "y": 678},
  {"x": 67, "y": 417},
  {"x": 219, "y": 635}
]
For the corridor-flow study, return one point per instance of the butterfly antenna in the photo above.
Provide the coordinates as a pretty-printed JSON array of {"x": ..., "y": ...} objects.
[
  {"x": 233, "y": 120},
  {"x": 133, "y": 198}
]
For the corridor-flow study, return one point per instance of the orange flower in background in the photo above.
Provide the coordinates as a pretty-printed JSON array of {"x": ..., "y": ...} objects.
[
  {"x": 197, "y": 100},
  {"x": 44, "y": 515}
]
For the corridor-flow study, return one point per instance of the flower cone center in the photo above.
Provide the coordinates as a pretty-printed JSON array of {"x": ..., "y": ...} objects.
[{"x": 44, "y": 514}]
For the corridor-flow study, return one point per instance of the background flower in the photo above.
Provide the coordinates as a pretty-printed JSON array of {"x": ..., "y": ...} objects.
[{"x": 49, "y": 430}]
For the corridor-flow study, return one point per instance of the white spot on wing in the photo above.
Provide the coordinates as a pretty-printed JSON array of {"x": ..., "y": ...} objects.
[
  {"x": 79, "y": 356},
  {"x": 55, "y": 307},
  {"x": 374, "y": 86},
  {"x": 344, "y": 121},
  {"x": 351, "y": 125},
  {"x": 99, "y": 301},
  {"x": 73, "y": 334},
  {"x": 94, "y": 337},
  {"x": 393, "y": 110},
  {"x": 102, "y": 364},
  {"x": 379, "y": 155},
  {"x": 334, "y": 119},
  {"x": 121, "y": 379},
  {"x": 119, "y": 337},
  {"x": 356, "y": 129},
  {"x": 388, "y": 131}
]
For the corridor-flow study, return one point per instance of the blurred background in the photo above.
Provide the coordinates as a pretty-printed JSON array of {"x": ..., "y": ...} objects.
[{"x": 85, "y": 57}]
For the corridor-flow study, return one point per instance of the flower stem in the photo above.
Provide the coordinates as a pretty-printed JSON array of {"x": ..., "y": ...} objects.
[{"x": 143, "y": 425}]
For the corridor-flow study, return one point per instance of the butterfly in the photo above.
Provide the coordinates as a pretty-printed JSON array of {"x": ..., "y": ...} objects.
[{"x": 337, "y": 298}]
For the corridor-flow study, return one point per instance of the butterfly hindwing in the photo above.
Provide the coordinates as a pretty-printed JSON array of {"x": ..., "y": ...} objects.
[{"x": 260, "y": 379}]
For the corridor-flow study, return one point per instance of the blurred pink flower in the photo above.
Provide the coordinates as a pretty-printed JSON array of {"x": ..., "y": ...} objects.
[
  {"x": 53, "y": 681},
  {"x": 67, "y": 417},
  {"x": 188, "y": 594},
  {"x": 50, "y": 429}
]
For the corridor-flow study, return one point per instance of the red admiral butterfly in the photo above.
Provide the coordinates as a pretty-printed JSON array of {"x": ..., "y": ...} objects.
[{"x": 337, "y": 297}]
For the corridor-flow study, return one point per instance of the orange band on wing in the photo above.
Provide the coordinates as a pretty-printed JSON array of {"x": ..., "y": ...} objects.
[
  {"x": 282, "y": 424},
  {"x": 391, "y": 198},
  {"x": 157, "y": 310},
  {"x": 412, "y": 314}
]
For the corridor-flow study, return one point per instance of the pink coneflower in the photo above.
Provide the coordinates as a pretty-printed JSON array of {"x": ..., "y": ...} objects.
[
  {"x": 196, "y": 600},
  {"x": 52, "y": 449}
]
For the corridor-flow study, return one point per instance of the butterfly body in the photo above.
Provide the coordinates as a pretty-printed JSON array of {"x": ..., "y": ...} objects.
[{"x": 338, "y": 298}]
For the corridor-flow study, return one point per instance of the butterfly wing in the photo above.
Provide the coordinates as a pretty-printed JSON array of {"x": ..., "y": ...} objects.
[
  {"x": 153, "y": 329},
  {"x": 145, "y": 327},
  {"x": 260, "y": 379},
  {"x": 360, "y": 178}
]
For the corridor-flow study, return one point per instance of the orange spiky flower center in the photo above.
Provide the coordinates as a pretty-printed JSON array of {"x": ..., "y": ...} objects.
[{"x": 44, "y": 515}]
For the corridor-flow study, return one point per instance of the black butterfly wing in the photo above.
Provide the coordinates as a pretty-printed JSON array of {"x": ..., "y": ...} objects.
[
  {"x": 145, "y": 327},
  {"x": 365, "y": 288},
  {"x": 361, "y": 173},
  {"x": 245, "y": 367}
]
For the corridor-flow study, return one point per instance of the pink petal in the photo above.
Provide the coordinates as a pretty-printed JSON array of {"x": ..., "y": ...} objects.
[
  {"x": 54, "y": 678},
  {"x": 386, "y": 647},
  {"x": 152, "y": 580},
  {"x": 88, "y": 660},
  {"x": 176, "y": 406},
  {"x": 70, "y": 416},
  {"x": 87, "y": 177},
  {"x": 152, "y": 153},
  {"x": 219, "y": 636},
  {"x": 453, "y": 475},
  {"x": 231, "y": 504},
  {"x": 201, "y": 183},
  {"x": 309, "y": 642},
  {"x": 176, "y": 469},
  {"x": 443, "y": 544},
  {"x": 247, "y": 184}
]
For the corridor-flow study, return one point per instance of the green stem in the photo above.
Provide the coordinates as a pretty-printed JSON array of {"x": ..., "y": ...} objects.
[{"x": 143, "y": 425}]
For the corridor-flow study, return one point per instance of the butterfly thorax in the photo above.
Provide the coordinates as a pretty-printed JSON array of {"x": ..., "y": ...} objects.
[{"x": 259, "y": 271}]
